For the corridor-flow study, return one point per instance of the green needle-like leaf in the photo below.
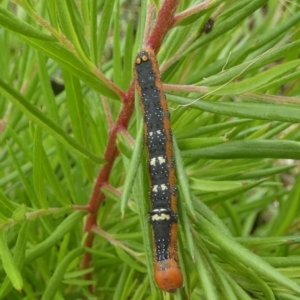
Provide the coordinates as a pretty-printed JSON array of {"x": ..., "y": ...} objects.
[{"x": 8, "y": 263}]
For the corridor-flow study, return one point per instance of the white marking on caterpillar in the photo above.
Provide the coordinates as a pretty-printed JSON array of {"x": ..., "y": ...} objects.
[{"x": 160, "y": 217}]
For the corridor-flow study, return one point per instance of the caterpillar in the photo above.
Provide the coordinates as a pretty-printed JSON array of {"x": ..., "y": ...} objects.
[{"x": 161, "y": 165}]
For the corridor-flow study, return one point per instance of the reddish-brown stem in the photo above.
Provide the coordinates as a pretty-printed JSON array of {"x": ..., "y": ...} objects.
[
  {"x": 81, "y": 207},
  {"x": 185, "y": 88},
  {"x": 164, "y": 22},
  {"x": 110, "y": 155},
  {"x": 193, "y": 10}
]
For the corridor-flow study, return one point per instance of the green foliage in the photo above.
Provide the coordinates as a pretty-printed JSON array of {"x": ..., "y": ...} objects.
[{"x": 235, "y": 117}]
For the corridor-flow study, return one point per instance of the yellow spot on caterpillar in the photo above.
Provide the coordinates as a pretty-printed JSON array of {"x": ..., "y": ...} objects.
[{"x": 145, "y": 58}]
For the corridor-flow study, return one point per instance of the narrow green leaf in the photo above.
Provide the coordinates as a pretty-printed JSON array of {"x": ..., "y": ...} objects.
[
  {"x": 233, "y": 216},
  {"x": 283, "y": 262},
  {"x": 141, "y": 290},
  {"x": 222, "y": 197},
  {"x": 217, "y": 273},
  {"x": 72, "y": 25},
  {"x": 78, "y": 282},
  {"x": 9, "y": 265},
  {"x": 140, "y": 35},
  {"x": 52, "y": 11},
  {"x": 271, "y": 242},
  {"x": 98, "y": 125},
  {"x": 130, "y": 284},
  {"x": 77, "y": 115},
  {"x": 221, "y": 172},
  {"x": 209, "y": 289},
  {"x": 214, "y": 186},
  {"x": 279, "y": 81},
  {"x": 249, "y": 149},
  {"x": 289, "y": 210},
  {"x": 5, "y": 202},
  {"x": 209, "y": 129},
  {"x": 128, "y": 53},
  {"x": 53, "y": 181},
  {"x": 20, "y": 172},
  {"x": 191, "y": 143},
  {"x": 133, "y": 168},
  {"x": 105, "y": 21},
  {"x": 183, "y": 258},
  {"x": 185, "y": 234},
  {"x": 20, "y": 247},
  {"x": 124, "y": 145},
  {"x": 129, "y": 261},
  {"x": 182, "y": 178},
  {"x": 143, "y": 208},
  {"x": 18, "y": 257},
  {"x": 78, "y": 273},
  {"x": 23, "y": 146},
  {"x": 63, "y": 247},
  {"x": 55, "y": 281},
  {"x": 240, "y": 293},
  {"x": 3, "y": 219},
  {"x": 207, "y": 213},
  {"x": 65, "y": 226},
  {"x": 265, "y": 172},
  {"x": 121, "y": 282},
  {"x": 117, "y": 61},
  {"x": 38, "y": 172},
  {"x": 93, "y": 29},
  {"x": 260, "y": 111}
]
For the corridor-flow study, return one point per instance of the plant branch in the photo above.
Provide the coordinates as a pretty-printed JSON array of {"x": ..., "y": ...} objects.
[
  {"x": 193, "y": 10},
  {"x": 164, "y": 22},
  {"x": 111, "y": 153},
  {"x": 118, "y": 243},
  {"x": 185, "y": 88}
]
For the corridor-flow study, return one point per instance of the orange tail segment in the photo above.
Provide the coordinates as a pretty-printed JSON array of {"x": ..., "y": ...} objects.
[{"x": 168, "y": 275}]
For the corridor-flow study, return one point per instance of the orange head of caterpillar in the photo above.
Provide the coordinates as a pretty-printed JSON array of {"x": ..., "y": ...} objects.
[{"x": 168, "y": 275}]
